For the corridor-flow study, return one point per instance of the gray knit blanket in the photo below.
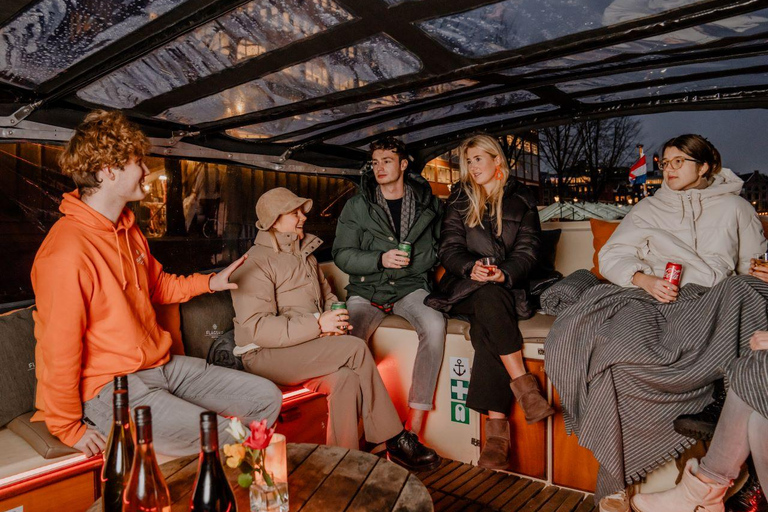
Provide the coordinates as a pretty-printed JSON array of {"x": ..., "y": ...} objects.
[
  {"x": 625, "y": 366},
  {"x": 567, "y": 292}
]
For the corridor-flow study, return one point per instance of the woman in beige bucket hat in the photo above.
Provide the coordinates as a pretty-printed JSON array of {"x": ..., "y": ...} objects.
[{"x": 286, "y": 332}]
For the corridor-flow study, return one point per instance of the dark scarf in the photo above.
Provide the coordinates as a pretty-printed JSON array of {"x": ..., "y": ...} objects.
[{"x": 407, "y": 213}]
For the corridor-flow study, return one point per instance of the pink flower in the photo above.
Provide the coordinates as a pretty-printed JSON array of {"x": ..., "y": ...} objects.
[{"x": 260, "y": 435}]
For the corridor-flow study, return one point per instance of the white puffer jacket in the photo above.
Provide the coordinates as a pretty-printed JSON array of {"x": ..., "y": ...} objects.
[{"x": 712, "y": 232}]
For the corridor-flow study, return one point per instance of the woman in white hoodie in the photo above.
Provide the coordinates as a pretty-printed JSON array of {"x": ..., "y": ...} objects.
[{"x": 696, "y": 219}]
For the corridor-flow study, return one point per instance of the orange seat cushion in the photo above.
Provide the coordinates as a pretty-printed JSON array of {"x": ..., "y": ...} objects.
[{"x": 601, "y": 232}]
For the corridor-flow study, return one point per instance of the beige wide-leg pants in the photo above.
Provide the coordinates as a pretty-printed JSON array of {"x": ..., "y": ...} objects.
[{"x": 342, "y": 368}]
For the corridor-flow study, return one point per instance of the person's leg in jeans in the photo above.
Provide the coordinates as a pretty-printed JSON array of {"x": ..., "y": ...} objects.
[
  {"x": 430, "y": 328},
  {"x": 730, "y": 445},
  {"x": 311, "y": 362},
  {"x": 364, "y": 317},
  {"x": 758, "y": 444},
  {"x": 182, "y": 389}
]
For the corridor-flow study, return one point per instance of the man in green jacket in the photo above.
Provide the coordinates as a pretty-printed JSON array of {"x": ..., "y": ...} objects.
[{"x": 392, "y": 207}]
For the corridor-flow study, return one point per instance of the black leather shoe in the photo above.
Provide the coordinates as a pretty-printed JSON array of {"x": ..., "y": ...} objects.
[
  {"x": 407, "y": 450},
  {"x": 750, "y": 498},
  {"x": 701, "y": 425}
]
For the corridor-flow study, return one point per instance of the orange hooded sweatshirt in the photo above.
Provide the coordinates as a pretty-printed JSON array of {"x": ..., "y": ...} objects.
[{"x": 95, "y": 283}]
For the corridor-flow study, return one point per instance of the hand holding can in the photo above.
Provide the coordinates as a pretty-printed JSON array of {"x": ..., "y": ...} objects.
[
  {"x": 342, "y": 307},
  {"x": 406, "y": 247}
]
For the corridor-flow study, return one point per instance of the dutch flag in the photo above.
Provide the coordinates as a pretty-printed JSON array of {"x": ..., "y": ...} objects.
[{"x": 637, "y": 172}]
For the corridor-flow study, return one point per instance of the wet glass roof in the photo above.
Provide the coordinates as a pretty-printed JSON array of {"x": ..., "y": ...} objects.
[
  {"x": 291, "y": 124},
  {"x": 438, "y": 114},
  {"x": 328, "y": 76},
  {"x": 52, "y": 35},
  {"x": 376, "y": 59},
  {"x": 252, "y": 30},
  {"x": 513, "y": 24}
]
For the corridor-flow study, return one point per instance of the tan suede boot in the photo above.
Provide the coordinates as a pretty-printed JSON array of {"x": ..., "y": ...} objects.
[
  {"x": 495, "y": 454},
  {"x": 690, "y": 495},
  {"x": 528, "y": 395}
]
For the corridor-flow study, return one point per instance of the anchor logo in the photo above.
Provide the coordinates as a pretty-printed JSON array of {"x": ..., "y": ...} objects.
[{"x": 459, "y": 368}]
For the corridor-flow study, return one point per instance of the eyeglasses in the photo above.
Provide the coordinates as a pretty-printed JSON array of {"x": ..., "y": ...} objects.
[{"x": 676, "y": 163}]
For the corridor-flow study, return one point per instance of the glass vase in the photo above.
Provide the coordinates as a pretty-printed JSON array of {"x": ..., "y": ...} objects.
[{"x": 274, "y": 497}]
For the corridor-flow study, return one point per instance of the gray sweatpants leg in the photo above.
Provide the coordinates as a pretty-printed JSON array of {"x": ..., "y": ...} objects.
[
  {"x": 740, "y": 431},
  {"x": 430, "y": 327},
  {"x": 179, "y": 391}
]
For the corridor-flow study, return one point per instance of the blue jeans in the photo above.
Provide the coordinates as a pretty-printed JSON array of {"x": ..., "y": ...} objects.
[
  {"x": 179, "y": 391},
  {"x": 430, "y": 328},
  {"x": 741, "y": 431}
]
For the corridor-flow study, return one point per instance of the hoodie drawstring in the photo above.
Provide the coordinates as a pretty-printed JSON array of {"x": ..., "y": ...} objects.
[
  {"x": 130, "y": 257},
  {"x": 133, "y": 262},
  {"x": 120, "y": 258}
]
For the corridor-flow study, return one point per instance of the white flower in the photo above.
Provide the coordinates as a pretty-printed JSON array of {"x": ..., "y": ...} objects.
[{"x": 237, "y": 430}]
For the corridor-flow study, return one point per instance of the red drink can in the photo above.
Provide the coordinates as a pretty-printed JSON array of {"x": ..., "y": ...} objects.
[{"x": 673, "y": 272}]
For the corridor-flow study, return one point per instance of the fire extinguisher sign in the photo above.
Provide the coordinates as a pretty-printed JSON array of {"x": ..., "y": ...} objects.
[{"x": 459, "y": 389}]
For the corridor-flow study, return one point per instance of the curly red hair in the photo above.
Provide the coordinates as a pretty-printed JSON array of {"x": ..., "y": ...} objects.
[{"x": 104, "y": 139}]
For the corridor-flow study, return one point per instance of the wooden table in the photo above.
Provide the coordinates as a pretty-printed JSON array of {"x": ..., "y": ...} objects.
[{"x": 322, "y": 479}]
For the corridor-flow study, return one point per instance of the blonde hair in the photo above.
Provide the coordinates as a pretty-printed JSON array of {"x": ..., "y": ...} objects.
[
  {"x": 103, "y": 139},
  {"x": 479, "y": 199}
]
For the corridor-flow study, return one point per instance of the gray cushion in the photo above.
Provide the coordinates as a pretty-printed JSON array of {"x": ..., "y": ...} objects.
[
  {"x": 36, "y": 434},
  {"x": 203, "y": 320},
  {"x": 17, "y": 364}
]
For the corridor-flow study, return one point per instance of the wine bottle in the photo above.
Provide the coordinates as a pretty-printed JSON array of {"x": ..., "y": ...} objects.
[
  {"x": 146, "y": 490},
  {"x": 118, "y": 456},
  {"x": 212, "y": 492},
  {"x": 120, "y": 382}
]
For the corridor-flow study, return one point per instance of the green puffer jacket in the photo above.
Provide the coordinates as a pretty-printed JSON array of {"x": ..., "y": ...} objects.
[{"x": 363, "y": 234}]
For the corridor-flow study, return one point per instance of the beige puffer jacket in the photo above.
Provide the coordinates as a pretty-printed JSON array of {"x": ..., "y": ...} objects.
[
  {"x": 712, "y": 232},
  {"x": 280, "y": 294}
]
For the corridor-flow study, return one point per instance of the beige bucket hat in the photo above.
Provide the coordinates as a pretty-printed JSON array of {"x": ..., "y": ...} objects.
[{"x": 275, "y": 203}]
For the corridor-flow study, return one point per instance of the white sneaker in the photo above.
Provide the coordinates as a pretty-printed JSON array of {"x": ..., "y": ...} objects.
[{"x": 616, "y": 502}]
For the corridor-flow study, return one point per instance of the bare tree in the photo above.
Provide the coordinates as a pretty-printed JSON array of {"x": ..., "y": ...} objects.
[
  {"x": 607, "y": 146},
  {"x": 512, "y": 145},
  {"x": 561, "y": 147}
]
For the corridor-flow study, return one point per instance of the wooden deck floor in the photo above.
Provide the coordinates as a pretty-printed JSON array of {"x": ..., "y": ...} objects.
[{"x": 456, "y": 486}]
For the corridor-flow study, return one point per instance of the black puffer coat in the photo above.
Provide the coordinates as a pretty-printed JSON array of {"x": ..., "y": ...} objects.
[{"x": 516, "y": 250}]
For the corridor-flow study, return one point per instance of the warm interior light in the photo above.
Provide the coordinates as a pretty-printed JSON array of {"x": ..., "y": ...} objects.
[{"x": 163, "y": 177}]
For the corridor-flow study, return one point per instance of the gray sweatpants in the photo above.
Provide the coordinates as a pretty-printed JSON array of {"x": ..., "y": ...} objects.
[
  {"x": 179, "y": 391},
  {"x": 430, "y": 327},
  {"x": 740, "y": 431}
]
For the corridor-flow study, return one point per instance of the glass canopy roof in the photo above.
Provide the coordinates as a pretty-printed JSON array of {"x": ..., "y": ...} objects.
[{"x": 325, "y": 77}]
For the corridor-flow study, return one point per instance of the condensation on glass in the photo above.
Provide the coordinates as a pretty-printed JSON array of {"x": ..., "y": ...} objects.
[
  {"x": 499, "y": 100},
  {"x": 647, "y": 50},
  {"x": 513, "y": 24},
  {"x": 376, "y": 59},
  {"x": 250, "y": 31},
  {"x": 392, "y": 3},
  {"x": 53, "y": 35},
  {"x": 638, "y": 77},
  {"x": 429, "y": 133},
  {"x": 300, "y": 122},
  {"x": 698, "y": 86}
]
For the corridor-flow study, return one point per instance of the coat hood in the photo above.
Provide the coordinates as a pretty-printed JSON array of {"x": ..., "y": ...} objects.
[
  {"x": 73, "y": 207},
  {"x": 722, "y": 184}
]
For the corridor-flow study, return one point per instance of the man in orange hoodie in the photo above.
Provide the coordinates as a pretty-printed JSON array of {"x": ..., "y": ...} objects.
[{"x": 95, "y": 282}]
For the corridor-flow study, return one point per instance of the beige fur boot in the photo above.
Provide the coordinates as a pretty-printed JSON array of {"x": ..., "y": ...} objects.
[{"x": 690, "y": 495}]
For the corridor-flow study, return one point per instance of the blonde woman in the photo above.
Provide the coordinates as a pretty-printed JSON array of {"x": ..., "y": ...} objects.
[{"x": 491, "y": 215}]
